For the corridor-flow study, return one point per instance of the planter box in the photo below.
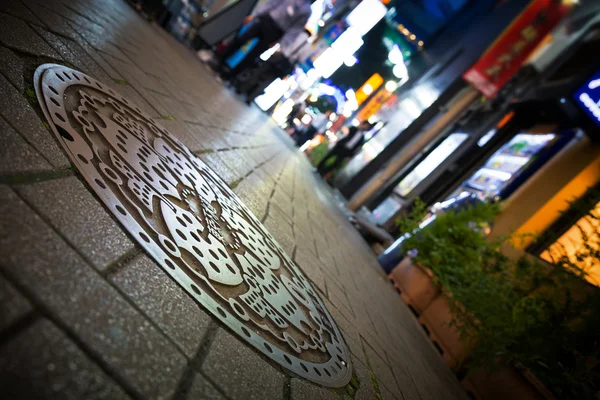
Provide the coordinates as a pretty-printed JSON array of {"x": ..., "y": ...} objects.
[
  {"x": 437, "y": 318},
  {"x": 414, "y": 284},
  {"x": 503, "y": 383}
]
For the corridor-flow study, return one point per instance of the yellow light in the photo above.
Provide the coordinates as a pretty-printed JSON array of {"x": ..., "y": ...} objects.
[
  {"x": 412, "y": 37},
  {"x": 367, "y": 89},
  {"x": 420, "y": 43},
  {"x": 306, "y": 119},
  {"x": 405, "y": 31},
  {"x": 313, "y": 97}
]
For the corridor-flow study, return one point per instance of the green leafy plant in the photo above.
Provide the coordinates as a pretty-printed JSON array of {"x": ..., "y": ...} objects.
[{"x": 526, "y": 312}]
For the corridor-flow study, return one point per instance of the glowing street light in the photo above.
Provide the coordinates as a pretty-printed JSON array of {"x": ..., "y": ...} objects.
[
  {"x": 391, "y": 86},
  {"x": 367, "y": 89},
  {"x": 395, "y": 55}
]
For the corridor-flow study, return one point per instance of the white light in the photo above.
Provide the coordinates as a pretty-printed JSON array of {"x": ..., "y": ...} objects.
[
  {"x": 272, "y": 94},
  {"x": 347, "y": 113},
  {"x": 306, "y": 119},
  {"x": 400, "y": 72},
  {"x": 268, "y": 53},
  {"x": 367, "y": 89},
  {"x": 355, "y": 122},
  {"x": 350, "y": 95},
  {"x": 328, "y": 125},
  {"x": 350, "y": 61},
  {"x": 313, "y": 97},
  {"x": 321, "y": 23},
  {"x": 486, "y": 138},
  {"x": 332, "y": 116},
  {"x": 297, "y": 122},
  {"x": 425, "y": 95},
  {"x": 395, "y": 55},
  {"x": 326, "y": 89},
  {"x": 332, "y": 58},
  {"x": 372, "y": 119},
  {"x": 366, "y": 15},
  {"x": 283, "y": 111},
  {"x": 391, "y": 86}
]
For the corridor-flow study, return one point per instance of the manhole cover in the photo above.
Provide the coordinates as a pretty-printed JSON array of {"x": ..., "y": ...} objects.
[{"x": 193, "y": 225}]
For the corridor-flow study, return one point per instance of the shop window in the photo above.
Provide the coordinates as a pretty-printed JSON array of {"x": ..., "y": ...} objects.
[{"x": 572, "y": 243}]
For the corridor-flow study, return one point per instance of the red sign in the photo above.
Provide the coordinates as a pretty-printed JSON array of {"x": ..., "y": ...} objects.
[{"x": 504, "y": 57}]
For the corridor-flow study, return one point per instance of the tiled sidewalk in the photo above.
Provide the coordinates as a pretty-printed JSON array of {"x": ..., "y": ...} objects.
[{"x": 86, "y": 314}]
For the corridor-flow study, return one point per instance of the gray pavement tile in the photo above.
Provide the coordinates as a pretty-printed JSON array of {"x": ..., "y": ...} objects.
[
  {"x": 380, "y": 368},
  {"x": 387, "y": 394},
  {"x": 70, "y": 207},
  {"x": 40, "y": 261},
  {"x": 106, "y": 67},
  {"x": 236, "y": 162},
  {"x": 301, "y": 389},
  {"x": 61, "y": 46},
  {"x": 253, "y": 193},
  {"x": 17, "y": 111},
  {"x": 239, "y": 371},
  {"x": 311, "y": 267},
  {"x": 282, "y": 232},
  {"x": 366, "y": 390},
  {"x": 182, "y": 131},
  {"x": 42, "y": 363},
  {"x": 16, "y": 156},
  {"x": 161, "y": 299},
  {"x": 53, "y": 21},
  {"x": 279, "y": 214},
  {"x": 18, "y": 9},
  {"x": 12, "y": 304},
  {"x": 16, "y": 34},
  {"x": 12, "y": 68},
  {"x": 404, "y": 379},
  {"x": 219, "y": 167},
  {"x": 202, "y": 389}
]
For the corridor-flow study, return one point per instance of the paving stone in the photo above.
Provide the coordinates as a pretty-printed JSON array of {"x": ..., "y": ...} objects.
[
  {"x": 53, "y": 21},
  {"x": 18, "y": 113},
  {"x": 17, "y": 9},
  {"x": 16, "y": 34},
  {"x": 42, "y": 363},
  {"x": 216, "y": 164},
  {"x": 12, "y": 67},
  {"x": 406, "y": 384},
  {"x": 12, "y": 304},
  {"x": 282, "y": 233},
  {"x": 236, "y": 162},
  {"x": 76, "y": 214},
  {"x": 16, "y": 156},
  {"x": 239, "y": 371},
  {"x": 366, "y": 390},
  {"x": 86, "y": 304},
  {"x": 159, "y": 297},
  {"x": 311, "y": 267},
  {"x": 387, "y": 394},
  {"x": 380, "y": 368},
  {"x": 252, "y": 192},
  {"x": 202, "y": 389},
  {"x": 301, "y": 389}
]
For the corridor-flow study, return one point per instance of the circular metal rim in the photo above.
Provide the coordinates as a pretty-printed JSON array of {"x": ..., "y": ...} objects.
[{"x": 303, "y": 368}]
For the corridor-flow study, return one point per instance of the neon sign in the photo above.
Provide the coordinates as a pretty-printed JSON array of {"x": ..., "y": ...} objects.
[{"x": 588, "y": 97}]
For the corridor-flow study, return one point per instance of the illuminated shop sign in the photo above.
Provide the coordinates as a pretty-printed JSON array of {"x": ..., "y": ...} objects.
[{"x": 588, "y": 97}]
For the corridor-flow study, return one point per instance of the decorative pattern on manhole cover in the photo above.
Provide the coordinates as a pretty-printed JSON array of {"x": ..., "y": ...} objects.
[{"x": 193, "y": 225}]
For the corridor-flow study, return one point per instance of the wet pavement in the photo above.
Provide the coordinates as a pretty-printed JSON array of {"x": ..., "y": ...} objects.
[{"x": 87, "y": 313}]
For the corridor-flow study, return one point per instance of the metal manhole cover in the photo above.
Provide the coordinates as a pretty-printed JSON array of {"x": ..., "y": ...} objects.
[{"x": 193, "y": 225}]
